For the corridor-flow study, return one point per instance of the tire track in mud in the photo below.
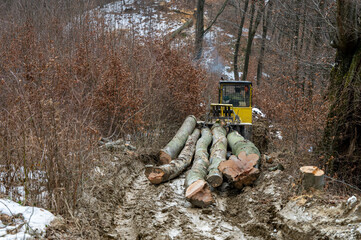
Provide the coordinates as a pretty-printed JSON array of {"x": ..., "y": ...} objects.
[{"x": 162, "y": 212}]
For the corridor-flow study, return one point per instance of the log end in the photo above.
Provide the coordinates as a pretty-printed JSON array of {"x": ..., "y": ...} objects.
[
  {"x": 164, "y": 158},
  {"x": 215, "y": 180},
  {"x": 199, "y": 194},
  {"x": 248, "y": 179},
  {"x": 154, "y": 174},
  {"x": 229, "y": 169}
]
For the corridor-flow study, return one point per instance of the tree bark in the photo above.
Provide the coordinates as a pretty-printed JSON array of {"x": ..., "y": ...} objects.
[
  {"x": 238, "y": 42},
  {"x": 198, "y": 44},
  {"x": 251, "y": 34},
  {"x": 263, "y": 42},
  {"x": 312, "y": 177},
  {"x": 157, "y": 175},
  {"x": 342, "y": 138},
  {"x": 197, "y": 189},
  {"x": 200, "y": 31},
  {"x": 172, "y": 149},
  {"x": 218, "y": 154}
]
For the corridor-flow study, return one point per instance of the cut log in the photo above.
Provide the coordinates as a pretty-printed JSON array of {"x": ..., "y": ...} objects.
[
  {"x": 197, "y": 189},
  {"x": 218, "y": 154},
  {"x": 172, "y": 149},
  {"x": 239, "y": 144},
  {"x": 157, "y": 175},
  {"x": 312, "y": 177},
  {"x": 240, "y": 172},
  {"x": 241, "y": 169}
]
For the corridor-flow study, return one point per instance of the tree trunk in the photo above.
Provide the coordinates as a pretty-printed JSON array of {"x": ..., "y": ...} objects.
[
  {"x": 218, "y": 154},
  {"x": 342, "y": 135},
  {"x": 251, "y": 34},
  {"x": 263, "y": 42},
  {"x": 238, "y": 42},
  {"x": 157, "y": 175},
  {"x": 197, "y": 189},
  {"x": 200, "y": 31},
  {"x": 198, "y": 44},
  {"x": 172, "y": 149},
  {"x": 312, "y": 177}
]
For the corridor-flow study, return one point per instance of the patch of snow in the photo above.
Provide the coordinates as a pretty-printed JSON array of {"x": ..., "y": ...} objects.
[
  {"x": 351, "y": 202},
  {"x": 34, "y": 221},
  {"x": 265, "y": 75},
  {"x": 258, "y": 112},
  {"x": 279, "y": 135},
  {"x": 178, "y": 186},
  {"x": 174, "y": 232},
  {"x": 145, "y": 22},
  {"x": 295, "y": 213}
]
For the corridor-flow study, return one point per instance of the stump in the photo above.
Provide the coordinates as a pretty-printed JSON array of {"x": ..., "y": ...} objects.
[{"x": 312, "y": 177}]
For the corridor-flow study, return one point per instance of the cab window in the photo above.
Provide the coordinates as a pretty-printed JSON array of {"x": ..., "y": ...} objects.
[{"x": 237, "y": 95}]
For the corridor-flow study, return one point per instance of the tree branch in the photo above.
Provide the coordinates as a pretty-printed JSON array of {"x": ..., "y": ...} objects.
[{"x": 215, "y": 19}]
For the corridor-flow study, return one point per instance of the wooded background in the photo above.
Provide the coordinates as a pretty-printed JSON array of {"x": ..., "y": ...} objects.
[{"x": 66, "y": 80}]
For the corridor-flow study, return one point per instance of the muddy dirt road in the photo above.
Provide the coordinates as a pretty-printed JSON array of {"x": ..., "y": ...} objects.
[
  {"x": 122, "y": 204},
  {"x": 269, "y": 210}
]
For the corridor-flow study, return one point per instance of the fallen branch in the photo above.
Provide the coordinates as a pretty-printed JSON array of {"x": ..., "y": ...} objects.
[{"x": 186, "y": 25}]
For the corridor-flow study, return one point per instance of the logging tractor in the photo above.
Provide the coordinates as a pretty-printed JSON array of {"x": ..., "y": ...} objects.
[{"x": 234, "y": 107}]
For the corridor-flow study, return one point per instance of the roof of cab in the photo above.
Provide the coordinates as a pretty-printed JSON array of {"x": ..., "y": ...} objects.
[{"x": 240, "y": 82}]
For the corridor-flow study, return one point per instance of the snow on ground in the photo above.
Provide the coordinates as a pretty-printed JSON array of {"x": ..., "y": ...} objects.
[
  {"x": 143, "y": 22},
  {"x": 22, "y": 222},
  {"x": 279, "y": 135},
  {"x": 16, "y": 191},
  {"x": 256, "y": 111}
]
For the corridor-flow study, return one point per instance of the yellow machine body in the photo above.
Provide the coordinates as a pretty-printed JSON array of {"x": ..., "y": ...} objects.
[{"x": 234, "y": 107}]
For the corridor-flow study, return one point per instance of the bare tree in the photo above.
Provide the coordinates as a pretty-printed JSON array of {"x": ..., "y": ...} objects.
[
  {"x": 238, "y": 41},
  {"x": 200, "y": 31}
]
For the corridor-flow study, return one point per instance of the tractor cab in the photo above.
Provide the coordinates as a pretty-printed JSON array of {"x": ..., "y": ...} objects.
[{"x": 234, "y": 107}]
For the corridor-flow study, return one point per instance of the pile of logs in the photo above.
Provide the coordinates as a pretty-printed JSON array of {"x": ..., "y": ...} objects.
[{"x": 210, "y": 167}]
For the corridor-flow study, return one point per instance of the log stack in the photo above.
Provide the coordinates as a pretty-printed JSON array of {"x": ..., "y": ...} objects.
[{"x": 240, "y": 169}]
